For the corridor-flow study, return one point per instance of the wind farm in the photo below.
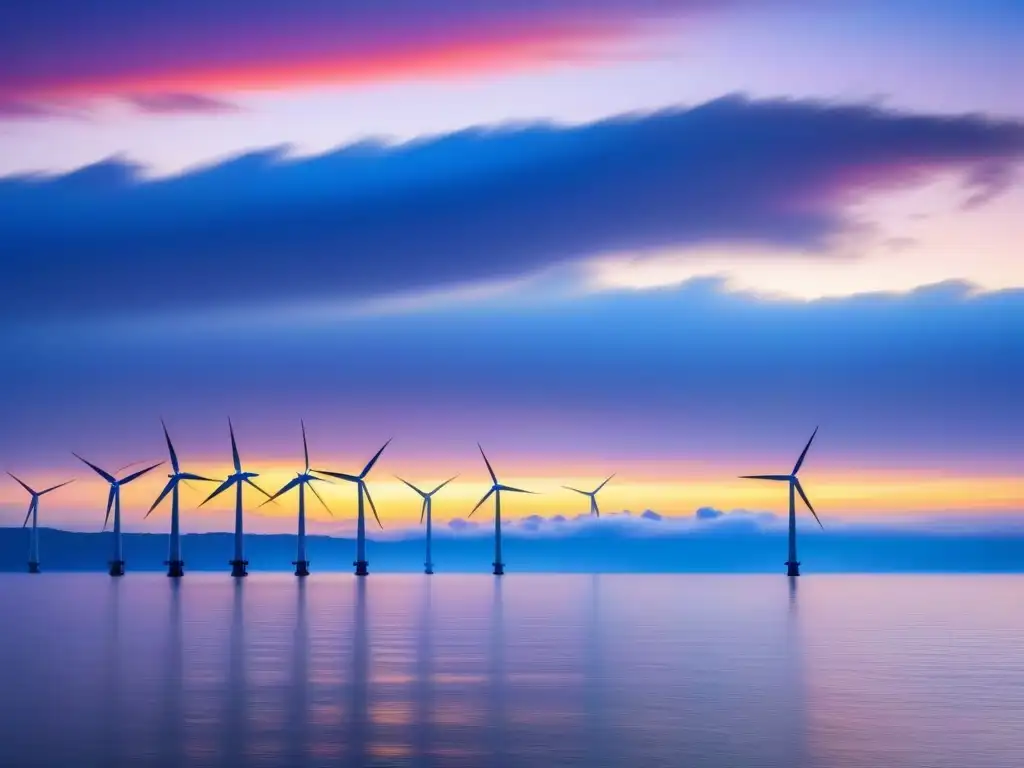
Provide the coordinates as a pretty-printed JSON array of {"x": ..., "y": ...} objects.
[{"x": 309, "y": 478}]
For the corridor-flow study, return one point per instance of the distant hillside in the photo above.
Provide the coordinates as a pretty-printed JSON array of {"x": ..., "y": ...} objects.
[{"x": 604, "y": 551}]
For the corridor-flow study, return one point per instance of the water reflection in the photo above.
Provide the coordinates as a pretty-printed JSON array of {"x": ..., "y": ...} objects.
[
  {"x": 298, "y": 702},
  {"x": 236, "y": 688},
  {"x": 602, "y": 671},
  {"x": 173, "y": 723},
  {"x": 359, "y": 710},
  {"x": 423, "y": 685}
]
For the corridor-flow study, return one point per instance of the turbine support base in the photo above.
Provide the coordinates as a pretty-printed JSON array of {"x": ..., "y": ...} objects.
[
  {"x": 116, "y": 568},
  {"x": 793, "y": 568},
  {"x": 238, "y": 568},
  {"x": 362, "y": 567},
  {"x": 301, "y": 567},
  {"x": 175, "y": 568},
  {"x": 33, "y": 567},
  {"x": 428, "y": 568},
  {"x": 499, "y": 569}
]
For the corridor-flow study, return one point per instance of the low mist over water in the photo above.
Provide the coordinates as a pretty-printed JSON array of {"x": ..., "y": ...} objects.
[{"x": 532, "y": 670}]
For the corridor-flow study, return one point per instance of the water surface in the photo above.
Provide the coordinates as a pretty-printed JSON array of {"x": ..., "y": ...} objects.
[{"x": 532, "y": 670}]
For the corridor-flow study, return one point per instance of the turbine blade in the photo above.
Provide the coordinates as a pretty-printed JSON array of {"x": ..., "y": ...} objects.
[
  {"x": 110, "y": 503},
  {"x": 800, "y": 461},
  {"x": 570, "y": 488},
  {"x": 494, "y": 479},
  {"x": 305, "y": 448},
  {"x": 597, "y": 510},
  {"x": 170, "y": 448},
  {"x": 421, "y": 493},
  {"x": 163, "y": 494},
  {"x": 369, "y": 466},
  {"x": 319, "y": 497},
  {"x": 250, "y": 482},
  {"x": 121, "y": 469},
  {"x": 485, "y": 498},
  {"x": 54, "y": 487},
  {"x": 105, "y": 475},
  {"x": 234, "y": 448},
  {"x": 780, "y": 478},
  {"x": 800, "y": 490},
  {"x": 312, "y": 479},
  {"x": 423, "y": 510},
  {"x": 23, "y": 485},
  {"x": 190, "y": 476},
  {"x": 373, "y": 508},
  {"x": 442, "y": 485},
  {"x": 602, "y": 485},
  {"x": 515, "y": 490},
  {"x": 287, "y": 487},
  {"x": 31, "y": 506},
  {"x": 220, "y": 489},
  {"x": 138, "y": 474},
  {"x": 339, "y": 475}
]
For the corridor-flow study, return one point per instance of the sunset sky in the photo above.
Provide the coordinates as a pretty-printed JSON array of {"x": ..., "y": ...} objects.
[{"x": 665, "y": 239}]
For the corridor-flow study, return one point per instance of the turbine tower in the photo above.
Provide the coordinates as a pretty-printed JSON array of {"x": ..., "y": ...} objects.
[
  {"x": 592, "y": 495},
  {"x": 792, "y": 565},
  {"x": 114, "y": 499},
  {"x": 237, "y": 479},
  {"x": 175, "y": 565},
  {"x": 496, "y": 489},
  {"x": 33, "y": 512},
  {"x": 302, "y": 480},
  {"x": 425, "y": 512},
  {"x": 360, "y": 481}
]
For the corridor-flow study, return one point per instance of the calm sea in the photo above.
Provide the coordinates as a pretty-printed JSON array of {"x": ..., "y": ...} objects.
[{"x": 532, "y": 670}]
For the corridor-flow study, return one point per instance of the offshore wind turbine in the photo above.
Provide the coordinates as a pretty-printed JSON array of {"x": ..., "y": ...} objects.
[
  {"x": 238, "y": 478},
  {"x": 360, "y": 481},
  {"x": 303, "y": 479},
  {"x": 33, "y": 512},
  {"x": 425, "y": 511},
  {"x": 592, "y": 495},
  {"x": 175, "y": 565},
  {"x": 792, "y": 564},
  {"x": 496, "y": 489},
  {"x": 114, "y": 499}
]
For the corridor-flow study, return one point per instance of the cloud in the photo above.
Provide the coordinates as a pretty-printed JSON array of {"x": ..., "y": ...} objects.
[
  {"x": 650, "y": 514},
  {"x": 708, "y": 513},
  {"x": 485, "y": 204},
  {"x": 56, "y": 48},
  {"x": 459, "y": 525},
  {"x": 174, "y": 103}
]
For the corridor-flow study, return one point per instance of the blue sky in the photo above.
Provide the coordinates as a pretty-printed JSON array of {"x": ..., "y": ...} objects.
[{"x": 665, "y": 239}]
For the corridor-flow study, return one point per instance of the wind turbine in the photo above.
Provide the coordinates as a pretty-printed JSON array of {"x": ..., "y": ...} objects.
[
  {"x": 496, "y": 489},
  {"x": 175, "y": 565},
  {"x": 237, "y": 479},
  {"x": 592, "y": 494},
  {"x": 114, "y": 499},
  {"x": 302, "y": 480},
  {"x": 792, "y": 565},
  {"x": 360, "y": 481},
  {"x": 33, "y": 512},
  {"x": 425, "y": 512}
]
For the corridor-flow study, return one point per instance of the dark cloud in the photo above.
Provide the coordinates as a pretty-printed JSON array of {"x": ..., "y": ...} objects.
[
  {"x": 707, "y": 513},
  {"x": 481, "y": 204},
  {"x": 173, "y": 103},
  {"x": 650, "y": 514}
]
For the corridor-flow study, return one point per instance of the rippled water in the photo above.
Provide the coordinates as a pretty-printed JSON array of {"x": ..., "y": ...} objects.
[{"x": 534, "y": 670}]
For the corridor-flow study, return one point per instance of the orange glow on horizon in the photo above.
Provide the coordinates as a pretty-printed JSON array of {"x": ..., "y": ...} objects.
[{"x": 864, "y": 495}]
